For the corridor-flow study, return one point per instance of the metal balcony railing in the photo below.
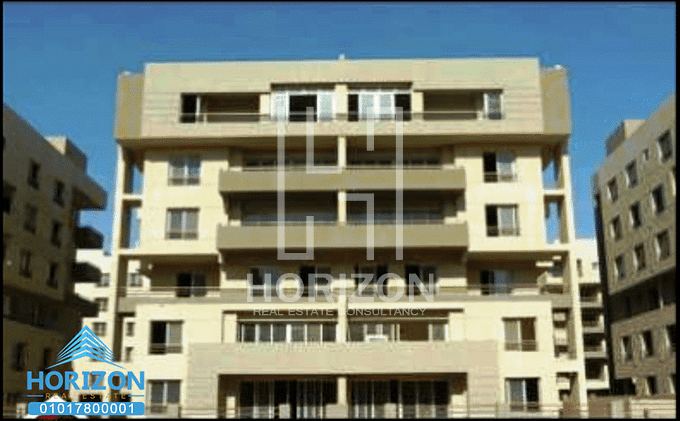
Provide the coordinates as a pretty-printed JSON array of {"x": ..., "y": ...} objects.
[
  {"x": 496, "y": 177},
  {"x": 158, "y": 348},
  {"x": 523, "y": 345},
  {"x": 495, "y": 231},
  {"x": 321, "y": 116}
]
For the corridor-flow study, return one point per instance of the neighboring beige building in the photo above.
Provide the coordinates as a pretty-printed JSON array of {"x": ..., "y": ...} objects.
[
  {"x": 592, "y": 315},
  {"x": 485, "y": 153},
  {"x": 635, "y": 215},
  {"x": 45, "y": 187}
]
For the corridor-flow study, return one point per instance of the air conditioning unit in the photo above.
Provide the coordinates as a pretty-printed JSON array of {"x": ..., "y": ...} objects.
[{"x": 377, "y": 338}]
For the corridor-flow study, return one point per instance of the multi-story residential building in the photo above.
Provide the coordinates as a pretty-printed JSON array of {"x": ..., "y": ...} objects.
[
  {"x": 45, "y": 187},
  {"x": 485, "y": 190},
  {"x": 634, "y": 193},
  {"x": 591, "y": 294}
]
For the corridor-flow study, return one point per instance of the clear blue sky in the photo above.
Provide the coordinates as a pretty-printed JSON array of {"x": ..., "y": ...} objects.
[{"x": 60, "y": 61}]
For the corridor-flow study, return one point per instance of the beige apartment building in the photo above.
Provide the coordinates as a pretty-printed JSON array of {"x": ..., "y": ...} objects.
[
  {"x": 634, "y": 192},
  {"x": 485, "y": 190},
  {"x": 45, "y": 187}
]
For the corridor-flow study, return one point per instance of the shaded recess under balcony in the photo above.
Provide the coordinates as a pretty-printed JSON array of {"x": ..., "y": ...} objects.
[
  {"x": 88, "y": 238},
  {"x": 461, "y": 105},
  {"x": 85, "y": 272},
  {"x": 220, "y": 107}
]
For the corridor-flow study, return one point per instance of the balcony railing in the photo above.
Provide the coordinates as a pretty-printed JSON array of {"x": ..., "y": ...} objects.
[
  {"x": 316, "y": 116},
  {"x": 158, "y": 348},
  {"x": 523, "y": 345},
  {"x": 496, "y": 177},
  {"x": 494, "y": 231}
]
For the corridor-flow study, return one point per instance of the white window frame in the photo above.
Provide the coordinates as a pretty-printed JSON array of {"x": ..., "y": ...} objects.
[
  {"x": 184, "y": 232},
  {"x": 167, "y": 344},
  {"x": 288, "y": 339},
  {"x": 282, "y": 99},
  {"x": 524, "y": 402},
  {"x": 164, "y": 404},
  {"x": 183, "y": 164},
  {"x": 501, "y": 105}
]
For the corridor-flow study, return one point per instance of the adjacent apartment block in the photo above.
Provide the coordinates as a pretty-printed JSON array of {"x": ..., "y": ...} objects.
[
  {"x": 209, "y": 153},
  {"x": 634, "y": 192},
  {"x": 45, "y": 187}
]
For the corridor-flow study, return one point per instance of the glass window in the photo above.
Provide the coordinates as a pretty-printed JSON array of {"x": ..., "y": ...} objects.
[
  {"x": 613, "y": 190},
  {"x": 635, "y": 215},
  {"x": 182, "y": 224},
  {"x": 58, "y": 193},
  {"x": 631, "y": 174},
  {"x": 663, "y": 245},
  {"x": 639, "y": 255},
  {"x": 658, "y": 199},
  {"x": 616, "y": 230},
  {"x": 502, "y": 220},
  {"x": 665, "y": 146},
  {"x": 520, "y": 334},
  {"x": 620, "y": 266},
  {"x": 493, "y": 105},
  {"x": 33, "y": 173},
  {"x": 522, "y": 394},
  {"x": 31, "y": 218},
  {"x": 184, "y": 170}
]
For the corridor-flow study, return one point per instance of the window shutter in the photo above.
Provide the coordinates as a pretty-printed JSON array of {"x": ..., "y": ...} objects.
[
  {"x": 191, "y": 222},
  {"x": 506, "y": 217},
  {"x": 505, "y": 165},
  {"x": 279, "y": 106},
  {"x": 325, "y": 105}
]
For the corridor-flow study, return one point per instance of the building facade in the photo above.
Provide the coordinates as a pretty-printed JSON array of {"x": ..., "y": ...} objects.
[
  {"x": 475, "y": 154},
  {"x": 45, "y": 187},
  {"x": 634, "y": 193}
]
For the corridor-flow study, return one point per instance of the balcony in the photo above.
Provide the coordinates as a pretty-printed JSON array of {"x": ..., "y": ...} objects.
[
  {"x": 85, "y": 272},
  {"x": 338, "y": 236},
  {"x": 342, "y": 357},
  {"x": 88, "y": 238},
  {"x": 595, "y": 351},
  {"x": 264, "y": 179},
  {"x": 593, "y": 326},
  {"x": 591, "y": 301},
  {"x": 550, "y": 280}
]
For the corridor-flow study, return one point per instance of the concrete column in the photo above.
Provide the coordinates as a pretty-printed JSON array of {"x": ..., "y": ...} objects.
[
  {"x": 417, "y": 104},
  {"x": 342, "y": 207},
  {"x": 341, "y": 101},
  {"x": 264, "y": 103},
  {"x": 342, "y": 151},
  {"x": 342, "y": 390}
]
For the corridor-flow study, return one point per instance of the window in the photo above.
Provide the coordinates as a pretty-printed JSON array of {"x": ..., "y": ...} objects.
[
  {"x": 671, "y": 384},
  {"x": 631, "y": 174},
  {"x": 499, "y": 167},
  {"x": 502, "y": 221},
  {"x": 268, "y": 333},
  {"x": 670, "y": 338},
  {"x": 579, "y": 267},
  {"x": 658, "y": 199},
  {"x": 522, "y": 394},
  {"x": 31, "y": 218},
  {"x": 263, "y": 278},
  {"x": 166, "y": 338},
  {"x": 651, "y": 385},
  {"x": 646, "y": 344},
  {"x": 25, "y": 263},
  {"x": 99, "y": 328},
  {"x": 616, "y": 230},
  {"x": 104, "y": 280},
  {"x": 7, "y": 198},
  {"x": 130, "y": 329},
  {"x": 665, "y": 146},
  {"x": 163, "y": 393},
  {"x": 52, "y": 279},
  {"x": 319, "y": 275},
  {"x": 56, "y": 231},
  {"x": 293, "y": 105},
  {"x": 128, "y": 354},
  {"x": 185, "y": 170},
  {"x": 102, "y": 303},
  {"x": 58, "y": 193},
  {"x": 33, "y": 171},
  {"x": 191, "y": 284},
  {"x": 520, "y": 335},
  {"x": 19, "y": 356},
  {"x": 134, "y": 279},
  {"x": 613, "y": 190},
  {"x": 495, "y": 281},
  {"x": 645, "y": 155},
  {"x": 378, "y": 105},
  {"x": 639, "y": 257},
  {"x": 427, "y": 275},
  {"x": 182, "y": 224},
  {"x": 620, "y": 267},
  {"x": 663, "y": 245},
  {"x": 635, "y": 215},
  {"x": 626, "y": 349},
  {"x": 493, "y": 105}
]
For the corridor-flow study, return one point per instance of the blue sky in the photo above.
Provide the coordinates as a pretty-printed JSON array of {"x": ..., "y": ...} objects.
[{"x": 61, "y": 60}]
